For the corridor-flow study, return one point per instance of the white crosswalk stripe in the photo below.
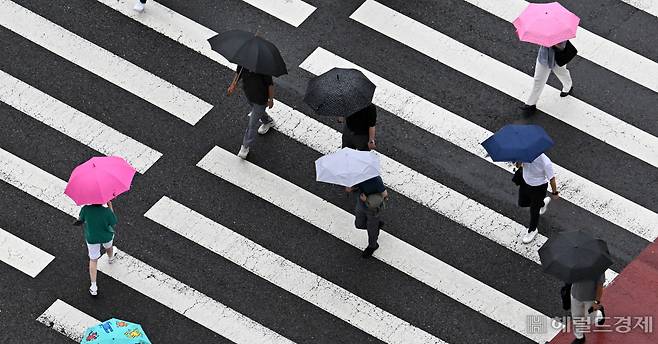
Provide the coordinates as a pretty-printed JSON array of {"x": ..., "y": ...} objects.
[
  {"x": 67, "y": 320},
  {"x": 649, "y": 6},
  {"x": 286, "y": 274},
  {"x": 74, "y": 123},
  {"x": 499, "y": 305},
  {"x": 22, "y": 255},
  {"x": 468, "y": 135},
  {"x": 187, "y": 301},
  {"x": 293, "y": 12},
  {"x": 393, "y": 251},
  {"x": 580, "y": 115},
  {"x": 103, "y": 63},
  {"x": 591, "y": 46}
]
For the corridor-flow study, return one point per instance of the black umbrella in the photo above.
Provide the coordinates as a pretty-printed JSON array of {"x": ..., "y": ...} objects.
[
  {"x": 249, "y": 51},
  {"x": 575, "y": 256},
  {"x": 339, "y": 92}
]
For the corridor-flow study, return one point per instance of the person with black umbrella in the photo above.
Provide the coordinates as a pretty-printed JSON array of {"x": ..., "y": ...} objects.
[
  {"x": 257, "y": 62},
  {"x": 346, "y": 93},
  {"x": 577, "y": 258}
]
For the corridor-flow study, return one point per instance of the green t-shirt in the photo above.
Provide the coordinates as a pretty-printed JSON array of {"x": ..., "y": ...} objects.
[{"x": 99, "y": 223}]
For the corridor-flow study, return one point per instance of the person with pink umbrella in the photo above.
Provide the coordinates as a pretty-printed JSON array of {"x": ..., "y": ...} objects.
[
  {"x": 93, "y": 184},
  {"x": 550, "y": 26}
]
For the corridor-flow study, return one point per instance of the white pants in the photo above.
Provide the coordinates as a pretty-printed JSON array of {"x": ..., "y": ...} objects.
[
  {"x": 541, "y": 76},
  {"x": 580, "y": 316}
]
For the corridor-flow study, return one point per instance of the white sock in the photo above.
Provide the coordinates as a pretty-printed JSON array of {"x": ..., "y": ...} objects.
[{"x": 93, "y": 285}]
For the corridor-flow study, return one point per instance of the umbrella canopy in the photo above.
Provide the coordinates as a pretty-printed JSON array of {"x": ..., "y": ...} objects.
[
  {"x": 339, "y": 92},
  {"x": 249, "y": 51},
  {"x": 518, "y": 142},
  {"x": 115, "y": 331},
  {"x": 546, "y": 24},
  {"x": 99, "y": 180},
  {"x": 575, "y": 256},
  {"x": 347, "y": 167}
]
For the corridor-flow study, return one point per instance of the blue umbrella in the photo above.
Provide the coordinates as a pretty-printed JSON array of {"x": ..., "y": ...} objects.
[{"x": 518, "y": 142}]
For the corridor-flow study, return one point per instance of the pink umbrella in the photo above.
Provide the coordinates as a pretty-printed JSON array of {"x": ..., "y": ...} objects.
[
  {"x": 546, "y": 24},
  {"x": 99, "y": 180}
]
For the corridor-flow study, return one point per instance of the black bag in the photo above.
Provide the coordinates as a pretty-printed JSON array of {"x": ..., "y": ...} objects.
[
  {"x": 518, "y": 176},
  {"x": 565, "y": 292},
  {"x": 564, "y": 56}
]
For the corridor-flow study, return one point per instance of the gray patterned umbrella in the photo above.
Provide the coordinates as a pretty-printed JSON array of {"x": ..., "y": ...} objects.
[{"x": 339, "y": 92}]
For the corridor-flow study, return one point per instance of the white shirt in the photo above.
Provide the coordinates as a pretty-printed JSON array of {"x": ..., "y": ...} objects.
[{"x": 538, "y": 172}]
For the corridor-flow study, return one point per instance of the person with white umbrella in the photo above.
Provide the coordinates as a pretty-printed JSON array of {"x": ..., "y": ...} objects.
[{"x": 359, "y": 172}]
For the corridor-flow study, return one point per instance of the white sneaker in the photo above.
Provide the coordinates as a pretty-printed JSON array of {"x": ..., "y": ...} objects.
[
  {"x": 243, "y": 152},
  {"x": 530, "y": 236},
  {"x": 139, "y": 7},
  {"x": 265, "y": 127},
  {"x": 93, "y": 290},
  {"x": 542, "y": 210}
]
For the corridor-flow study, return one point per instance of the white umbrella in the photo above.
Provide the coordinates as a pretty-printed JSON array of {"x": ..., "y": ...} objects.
[{"x": 347, "y": 167}]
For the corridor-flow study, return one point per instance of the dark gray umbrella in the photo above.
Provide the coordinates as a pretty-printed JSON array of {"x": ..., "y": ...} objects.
[
  {"x": 249, "y": 51},
  {"x": 575, "y": 256},
  {"x": 339, "y": 92}
]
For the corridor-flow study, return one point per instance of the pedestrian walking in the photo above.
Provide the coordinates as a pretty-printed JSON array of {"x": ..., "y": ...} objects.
[
  {"x": 545, "y": 64},
  {"x": 550, "y": 26},
  {"x": 257, "y": 62},
  {"x": 532, "y": 191},
  {"x": 585, "y": 303},
  {"x": 346, "y": 93},
  {"x": 98, "y": 223},
  {"x": 139, "y": 5},
  {"x": 259, "y": 90},
  {"x": 370, "y": 197},
  {"x": 359, "y": 129}
]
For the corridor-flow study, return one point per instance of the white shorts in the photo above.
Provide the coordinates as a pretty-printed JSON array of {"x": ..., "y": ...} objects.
[{"x": 95, "y": 249}]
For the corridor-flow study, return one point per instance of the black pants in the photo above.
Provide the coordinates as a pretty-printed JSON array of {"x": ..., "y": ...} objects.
[
  {"x": 533, "y": 197},
  {"x": 354, "y": 141},
  {"x": 367, "y": 219}
]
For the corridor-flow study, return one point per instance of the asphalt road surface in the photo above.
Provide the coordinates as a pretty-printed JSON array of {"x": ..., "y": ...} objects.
[{"x": 218, "y": 250}]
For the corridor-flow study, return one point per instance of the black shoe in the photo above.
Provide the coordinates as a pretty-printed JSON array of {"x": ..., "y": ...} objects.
[
  {"x": 528, "y": 108},
  {"x": 367, "y": 253},
  {"x": 579, "y": 341},
  {"x": 564, "y": 94}
]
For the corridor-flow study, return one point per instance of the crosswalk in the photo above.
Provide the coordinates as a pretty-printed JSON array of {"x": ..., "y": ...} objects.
[{"x": 470, "y": 302}]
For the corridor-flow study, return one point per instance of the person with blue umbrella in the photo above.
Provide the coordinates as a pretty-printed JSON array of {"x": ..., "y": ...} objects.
[{"x": 525, "y": 145}]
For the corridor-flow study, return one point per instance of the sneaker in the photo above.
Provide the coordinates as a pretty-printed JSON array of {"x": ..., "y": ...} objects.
[
  {"x": 542, "y": 210},
  {"x": 265, "y": 127},
  {"x": 530, "y": 236},
  {"x": 93, "y": 290},
  {"x": 579, "y": 341},
  {"x": 564, "y": 94},
  {"x": 111, "y": 260},
  {"x": 367, "y": 253},
  {"x": 139, "y": 7},
  {"x": 243, "y": 152}
]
